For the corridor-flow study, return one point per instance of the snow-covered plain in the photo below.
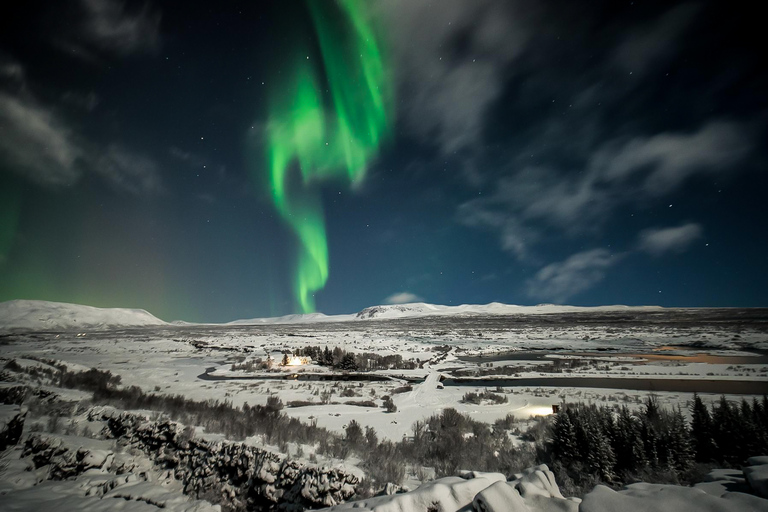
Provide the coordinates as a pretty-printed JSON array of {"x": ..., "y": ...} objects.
[
  {"x": 487, "y": 344},
  {"x": 534, "y": 356}
]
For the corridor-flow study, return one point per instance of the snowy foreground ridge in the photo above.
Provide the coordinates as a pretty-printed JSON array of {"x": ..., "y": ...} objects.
[
  {"x": 44, "y": 315},
  {"x": 535, "y": 490}
]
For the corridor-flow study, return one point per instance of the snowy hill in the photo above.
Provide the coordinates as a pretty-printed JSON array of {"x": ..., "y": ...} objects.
[
  {"x": 421, "y": 309},
  {"x": 44, "y": 315},
  {"x": 418, "y": 309},
  {"x": 308, "y": 318}
]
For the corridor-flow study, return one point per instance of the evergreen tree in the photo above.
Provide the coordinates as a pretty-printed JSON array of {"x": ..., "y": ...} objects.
[
  {"x": 650, "y": 440},
  {"x": 725, "y": 432},
  {"x": 678, "y": 442},
  {"x": 628, "y": 445},
  {"x": 348, "y": 363},
  {"x": 600, "y": 457},
  {"x": 327, "y": 357},
  {"x": 354, "y": 435},
  {"x": 702, "y": 431},
  {"x": 564, "y": 445}
]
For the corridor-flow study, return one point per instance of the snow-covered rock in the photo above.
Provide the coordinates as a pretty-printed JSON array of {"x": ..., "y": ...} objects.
[
  {"x": 51, "y": 316},
  {"x": 643, "y": 497},
  {"x": 757, "y": 475},
  {"x": 242, "y": 475},
  {"x": 535, "y": 490}
]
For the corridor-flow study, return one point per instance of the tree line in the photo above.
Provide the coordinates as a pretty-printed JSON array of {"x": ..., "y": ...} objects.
[
  {"x": 616, "y": 445},
  {"x": 340, "y": 359}
]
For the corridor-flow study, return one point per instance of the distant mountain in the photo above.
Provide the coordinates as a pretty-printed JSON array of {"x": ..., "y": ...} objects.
[
  {"x": 50, "y": 316},
  {"x": 40, "y": 315},
  {"x": 418, "y": 309},
  {"x": 308, "y": 318}
]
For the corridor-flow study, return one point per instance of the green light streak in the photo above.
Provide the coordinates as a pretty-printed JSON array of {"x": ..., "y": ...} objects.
[{"x": 326, "y": 139}]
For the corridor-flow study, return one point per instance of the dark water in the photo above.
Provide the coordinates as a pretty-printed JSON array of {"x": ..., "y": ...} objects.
[
  {"x": 692, "y": 355},
  {"x": 728, "y": 387}
]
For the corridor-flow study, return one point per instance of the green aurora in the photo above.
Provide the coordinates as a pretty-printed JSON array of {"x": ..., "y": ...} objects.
[{"x": 323, "y": 137}]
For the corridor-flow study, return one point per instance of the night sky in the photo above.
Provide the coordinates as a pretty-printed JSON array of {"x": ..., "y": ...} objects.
[{"x": 208, "y": 161}]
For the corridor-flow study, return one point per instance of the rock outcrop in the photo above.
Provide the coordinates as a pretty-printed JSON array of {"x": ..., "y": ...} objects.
[{"x": 11, "y": 424}]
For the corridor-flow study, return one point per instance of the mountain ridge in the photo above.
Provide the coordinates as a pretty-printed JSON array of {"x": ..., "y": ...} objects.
[{"x": 45, "y": 315}]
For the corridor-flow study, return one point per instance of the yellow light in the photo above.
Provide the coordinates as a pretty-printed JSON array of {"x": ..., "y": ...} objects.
[{"x": 541, "y": 410}]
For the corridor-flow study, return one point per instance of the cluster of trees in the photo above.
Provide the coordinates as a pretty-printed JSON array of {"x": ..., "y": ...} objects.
[
  {"x": 730, "y": 433},
  {"x": 339, "y": 358},
  {"x": 450, "y": 441},
  {"x": 616, "y": 445},
  {"x": 487, "y": 396}
]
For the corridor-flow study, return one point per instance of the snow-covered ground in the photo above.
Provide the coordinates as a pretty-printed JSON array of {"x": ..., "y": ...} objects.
[
  {"x": 477, "y": 342},
  {"x": 533, "y": 357}
]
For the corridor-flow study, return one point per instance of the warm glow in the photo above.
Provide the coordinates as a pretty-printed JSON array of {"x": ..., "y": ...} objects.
[
  {"x": 297, "y": 361},
  {"x": 542, "y": 410}
]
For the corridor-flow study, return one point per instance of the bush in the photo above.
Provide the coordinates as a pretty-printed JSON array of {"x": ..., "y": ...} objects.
[
  {"x": 402, "y": 389},
  {"x": 389, "y": 405}
]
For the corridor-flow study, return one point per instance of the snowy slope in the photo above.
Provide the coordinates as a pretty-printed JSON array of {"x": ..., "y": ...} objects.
[{"x": 43, "y": 315}]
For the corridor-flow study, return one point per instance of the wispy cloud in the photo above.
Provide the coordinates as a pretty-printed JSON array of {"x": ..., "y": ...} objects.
[
  {"x": 581, "y": 271},
  {"x": 663, "y": 162},
  {"x": 37, "y": 143},
  {"x": 129, "y": 171},
  {"x": 562, "y": 280},
  {"x": 655, "y": 40},
  {"x": 43, "y": 146},
  {"x": 402, "y": 298},
  {"x": 100, "y": 28},
  {"x": 535, "y": 200},
  {"x": 659, "y": 241},
  {"x": 112, "y": 27},
  {"x": 452, "y": 63}
]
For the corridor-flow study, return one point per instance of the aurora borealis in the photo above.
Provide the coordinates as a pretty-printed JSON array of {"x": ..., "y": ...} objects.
[
  {"x": 209, "y": 162},
  {"x": 326, "y": 142}
]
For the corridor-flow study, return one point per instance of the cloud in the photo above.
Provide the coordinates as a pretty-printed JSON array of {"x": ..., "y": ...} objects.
[
  {"x": 562, "y": 280},
  {"x": 452, "y": 62},
  {"x": 664, "y": 161},
  {"x": 536, "y": 200},
  {"x": 659, "y": 241},
  {"x": 37, "y": 143},
  {"x": 128, "y": 171},
  {"x": 111, "y": 27},
  {"x": 402, "y": 298},
  {"x": 654, "y": 41},
  {"x": 42, "y": 146}
]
